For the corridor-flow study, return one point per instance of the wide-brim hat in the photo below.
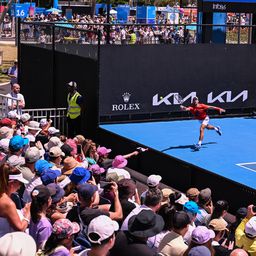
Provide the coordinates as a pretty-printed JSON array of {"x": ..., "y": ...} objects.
[
  {"x": 69, "y": 165},
  {"x": 145, "y": 224}
]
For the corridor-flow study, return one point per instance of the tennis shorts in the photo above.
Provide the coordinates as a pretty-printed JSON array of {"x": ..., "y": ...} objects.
[{"x": 205, "y": 121}]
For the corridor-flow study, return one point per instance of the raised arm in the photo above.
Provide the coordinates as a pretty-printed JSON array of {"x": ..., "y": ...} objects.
[{"x": 220, "y": 110}]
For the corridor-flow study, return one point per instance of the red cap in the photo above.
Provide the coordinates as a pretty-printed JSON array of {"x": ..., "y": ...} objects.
[{"x": 6, "y": 122}]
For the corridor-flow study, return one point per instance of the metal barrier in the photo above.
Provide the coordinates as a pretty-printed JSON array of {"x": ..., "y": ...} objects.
[
  {"x": 57, "y": 115},
  {"x": 7, "y": 104}
]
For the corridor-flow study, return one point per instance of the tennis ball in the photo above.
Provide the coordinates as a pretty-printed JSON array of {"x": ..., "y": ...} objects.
[{"x": 161, "y": 97}]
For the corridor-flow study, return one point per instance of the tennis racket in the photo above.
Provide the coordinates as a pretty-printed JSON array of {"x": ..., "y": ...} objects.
[{"x": 178, "y": 98}]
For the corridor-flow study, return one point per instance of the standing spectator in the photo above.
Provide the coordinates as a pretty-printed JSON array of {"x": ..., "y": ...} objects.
[
  {"x": 15, "y": 93},
  {"x": 13, "y": 72},
  {"x": 75, "y": 101}
]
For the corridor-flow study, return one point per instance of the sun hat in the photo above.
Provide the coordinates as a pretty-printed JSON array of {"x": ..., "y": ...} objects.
[
  {"x": 96, "y": 169},
  {"x": 166, "y": 193},
  {"x": 201, "y": 235},
  {"x": 153, "y": 180},
  {"x": 34, "y": 125},
  {"x": 69, "y": 164},
  {"x": 17, "y": 142},
  {"x": 119, "y": 162},
  {"x": 145, "y": 224},
  {"x": 17, "y": 244},
  {"x": 53, "y": 142},
  {"x": 102, "y": 151},
  {"x": 25, "y": 117},
  {"x": 32, "y": 155},
  {"x": 80, "y": 175},
  {"x": 56, "y": 192},
  {"x": 49, "y": 176},
  {"x": 64, "y": 228},
  {"x": 6, "y": 132},
  {"x": 103, "y": 227},
  {"x": 18, "y": 177},
  {"x": 41, "y": 166}
]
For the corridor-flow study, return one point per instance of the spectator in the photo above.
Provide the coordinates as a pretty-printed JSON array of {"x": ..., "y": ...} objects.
[
  {"x": 166, "y": 194},
  {"x": 192, "y": 194},
  {"x": 220, "y": 210},
  {"x": 11, "y": 219},
  {"x": 33, "y": 131},
  {"x": 102, "y": 238},
  {"x": 55, "y": 158},
  {"x": 13, "y": 72},
  {"x": 199, "y": 251},
  {"x": 134, "y": 241},
  {"x": 17, "y": 244},
  {"x": 40, "y": 228},
  {"x": 60, "y": 241},
  {"x": 172, "y": 243},
  {"x": 239, "y": 252}
]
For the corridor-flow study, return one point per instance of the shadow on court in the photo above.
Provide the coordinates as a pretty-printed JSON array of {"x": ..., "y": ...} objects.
[{"x": 187, "y": 146}]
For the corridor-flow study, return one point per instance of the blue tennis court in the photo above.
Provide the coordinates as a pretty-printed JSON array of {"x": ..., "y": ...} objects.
[{"x": 231, "y": 155}]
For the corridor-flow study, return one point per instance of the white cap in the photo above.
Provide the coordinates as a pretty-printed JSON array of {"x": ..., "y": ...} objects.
[
  {"x": 250, "y": 227},
  {"x": 17, "y": 244},
  {"x": 103, "y": 226},
  {"x": 15, "y": 160},
  {"x": 55, "y": 152},
  {"x": 25, "y": 117},
  {"x": 32, "y": 155},
  {"x": 6, "y": 132},
  {"x": 72, "y": 84},
  {"x": 13, "y": 114},
  {"x": 53, "y": 142},
  {"x": 53, "y": 130},
  {"x": 182, "y": 200},
  {"x": 18, "y": 177},
  {"x": 43, "y": 122},
  {"x": 34, "y": 125},
  {"x": 153, "y": 180},
  {"x": 4, "y": 144}
]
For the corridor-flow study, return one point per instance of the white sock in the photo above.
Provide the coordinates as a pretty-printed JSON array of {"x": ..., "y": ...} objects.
[
  {"x": 216, "y": 128},
  {"x": 199, "y": 142}
]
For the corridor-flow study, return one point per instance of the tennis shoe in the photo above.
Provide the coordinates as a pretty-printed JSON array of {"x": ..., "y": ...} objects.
[
  {"x": 197, "y": 147},
  {"x": 219, "y": 130}
]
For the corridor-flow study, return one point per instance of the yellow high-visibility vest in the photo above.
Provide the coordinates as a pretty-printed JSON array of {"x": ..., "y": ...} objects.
[{"x": 74, "y": 110}]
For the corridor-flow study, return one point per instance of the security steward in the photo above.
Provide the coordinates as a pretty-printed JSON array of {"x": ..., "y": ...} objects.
[{"x": 75, "y": 104}]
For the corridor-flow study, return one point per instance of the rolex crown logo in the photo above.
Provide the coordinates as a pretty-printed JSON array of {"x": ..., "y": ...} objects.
[{"x": 126, "y": 96}]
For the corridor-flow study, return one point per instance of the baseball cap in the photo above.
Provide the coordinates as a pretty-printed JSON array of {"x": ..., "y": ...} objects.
[
  {"x": 119, "y": 162},
  {"x": 56, "y": 192},
  {"x": 53, "y": 142},
  {"x": 55, "y": 152},
  {"x": 41, "y": 166},
  {"x": 32, "y": 155},
  {"x": 199, "y": 251},
  {"x": 72, "y": 84},
  {"x": 192, "y": 192},
  {"x": 18, "y": 177},
  {"x": 49, "y": 176},
  {"x": 86, "y": 191},
  {"x": 17, "y": 244},
  {"x": 202, "y": 234},
  {"x": 153, "y": 180},
  {"x": 218, "y": 225},
  {"x": 43, "y": 122},
  {"x": 205, "y": 195},
  {"x": 66, "y": 149},
  {"x": 6, "y": 132},
  {"x": 102, "y": 151},
  {"x": 6, "y": 122},
  {"x": 34, "y": 125},
  {"x": 53, "y": 130},
  {"x": 17, "y": 142},
  {"x": 4, "y": 145},
  {"x": 13, "y": 115},
  {"x": 101, "y": 228},
  {"x": 40, "y": 192},
  {"x": 250, "y": 227},
  {"x": 63, "y": 228},
  {"x": 191, "y": 207},
  {"x": 25, "y": 117},
  {"x": 96, "y": 169},
  {"x": 80, "y": 175}
]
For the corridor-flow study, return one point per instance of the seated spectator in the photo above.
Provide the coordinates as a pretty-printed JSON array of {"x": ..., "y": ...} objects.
[
  {"x": 49, "y": 176},
  {"x": 24, "y": 119},
  {"x": 79, "y": 176},
  {"x": 192, "y": 194},
  {"x": 152, "y": 202},
  {"x": 102, "y": 238},
  {"x": 40, "y": 228},
  {"x": 53, "y": 142},
  {"x": 6, "y": 132},
  {"x": 97, "y": 171},
  {"x": 10, "y": 218},
  {"x": 60, "y": 241},
  {"x": 152, "y": 182},
  {"x": 199, "y": 251},
  {"x": 246, "y": 232},
  {"x": 134, "y": 241},
  {"x": 220, "y": 210},
  {"x": 104, "y": 160},
  {"x": 55, "y": 158},
  {"x": 17, "y": 244},
  {"x": 166, "y": 194},
  {"x": 33, "y": 131},
  {"x": 201, "y": 236},
  {"x": 219, "y": 226},
  {"x": 205, "y": 207},
  {"x": 178, "y": 200},
  {"x": 239, "y": 252},
  {"x": 173, "y": 243}
]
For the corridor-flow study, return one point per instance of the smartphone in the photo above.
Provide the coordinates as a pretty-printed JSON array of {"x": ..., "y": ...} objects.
[
  {"x": 79, "y": 149},
  {"x": 48, "y": 117}
]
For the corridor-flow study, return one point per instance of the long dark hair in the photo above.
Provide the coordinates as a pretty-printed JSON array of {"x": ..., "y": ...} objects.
[
  {"x": 219, "y": 208},
  {"x": 40, "y": 196},
  {"x": 52, "y": 242}
]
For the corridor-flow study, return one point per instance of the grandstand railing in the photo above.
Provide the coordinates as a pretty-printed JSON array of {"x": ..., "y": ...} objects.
[
  {"x": 7, "y": 104},
  {"x": 42, "y": 33},
  {"x": 57, "y": 115}
]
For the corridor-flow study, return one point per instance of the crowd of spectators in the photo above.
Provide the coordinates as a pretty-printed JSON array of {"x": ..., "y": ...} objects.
[{"x": 69, "y": 196}]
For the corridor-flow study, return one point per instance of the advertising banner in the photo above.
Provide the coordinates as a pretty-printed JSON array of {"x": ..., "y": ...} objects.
[
  {"x": 123, "y": 12},
  {"x": 147, "y": 79}
]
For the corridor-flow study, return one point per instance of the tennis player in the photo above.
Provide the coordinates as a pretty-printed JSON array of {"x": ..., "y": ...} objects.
[{"x": 199, "y": 111}]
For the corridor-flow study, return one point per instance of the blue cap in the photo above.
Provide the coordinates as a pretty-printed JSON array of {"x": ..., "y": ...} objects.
[
  {"x": 17, "y": 142},
  {"x": 199, "y": 251},
  {"x": 41, "y": 166},
  {"x": 80, "y": 175},
  {"x": 86, "y": 191},
  {"x": 49, "y": 176},
  {"x": 191, "y": 207}
]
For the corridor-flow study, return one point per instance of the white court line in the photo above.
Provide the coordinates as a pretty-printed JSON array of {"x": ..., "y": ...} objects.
[{"x": 241, "y": 165}]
